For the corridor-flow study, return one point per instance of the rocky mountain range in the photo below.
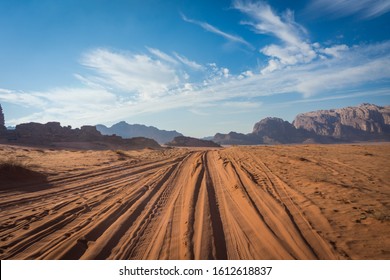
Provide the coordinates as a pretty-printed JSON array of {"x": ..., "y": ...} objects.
[
  {"x": 126, "y": 130},
  {"x": 87, "y": 137},
  {"x": 362, "y": 123},
  {"x": 366, "y": 122}
]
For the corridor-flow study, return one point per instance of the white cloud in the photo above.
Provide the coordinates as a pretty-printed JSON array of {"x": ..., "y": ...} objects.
[
  {"x": 340, "y": 8},
  {"x": 162, "y": 55},
  {"x": 296, "y": 47},
  {"x": 338, "y": 77},
  {"x": 245, "y": 74},
  {"x": 344, "y": 95},
  {"x": 208, "y": 27},
  {"x": 266, "y": 21},
  {"x": 138, "y": 74},
  {"x": 189, "y": 63},
  {"x": 21, "y": 98},
  {"x": 242, "y": 104},
  {"x": 225, "y": 72},
  {"x": 100, "y": 99},
  {"x": 215, "y": 74},
  {"x": 75, "y": 106},
  {"x": 335, "y": 51}
]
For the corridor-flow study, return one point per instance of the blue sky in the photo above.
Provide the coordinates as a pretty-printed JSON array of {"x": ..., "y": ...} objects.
[{"x": 199, "y": 67}]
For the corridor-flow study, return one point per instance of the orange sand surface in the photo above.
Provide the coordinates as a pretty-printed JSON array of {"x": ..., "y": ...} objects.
[{"x": 264, "y": 202}]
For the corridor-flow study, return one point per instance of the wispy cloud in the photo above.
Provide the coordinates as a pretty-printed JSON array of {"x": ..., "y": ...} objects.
[
  {"x": 136, "y": 74},
  {"x": 343, "y": 95},
  {"x": 192, "y": 64},
  {"x": 116, "y": 85},
  {"x": 72, "y": 105},
  {"x": 266, "y": 21},
  {"x": 21, "y": 98},
  {"x": 162, "y": 55},
  {"x": 210, "y": 28},
  {"x": 109, "y": 102},
  {"x": 366, "y": 9},
  {"x": 295, "y": 47}
]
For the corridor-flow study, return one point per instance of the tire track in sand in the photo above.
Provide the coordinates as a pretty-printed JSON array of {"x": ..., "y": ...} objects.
[{"x": 209, "y": 204}]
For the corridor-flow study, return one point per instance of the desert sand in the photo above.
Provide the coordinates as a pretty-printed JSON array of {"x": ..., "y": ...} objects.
[{"x": 255, "y": 202}]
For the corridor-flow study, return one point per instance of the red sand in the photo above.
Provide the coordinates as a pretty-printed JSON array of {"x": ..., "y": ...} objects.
[{"x": 277, "y": 202}]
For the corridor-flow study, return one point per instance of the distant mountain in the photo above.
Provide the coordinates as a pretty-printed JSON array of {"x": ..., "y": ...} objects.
[
  {"x": 361, "y": 123},
  {"x": 234, "y": 138},
  {"x": 183, "y": 141},
  {"x": 126, "y": 130}
]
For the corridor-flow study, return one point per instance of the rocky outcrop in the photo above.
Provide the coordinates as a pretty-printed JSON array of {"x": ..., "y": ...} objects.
[
  {"x": 183, "y": 141},
  {"x": 126, "y": 130},
  {"x": 271, "y": 131},
  {"x": 2, "y": 122},
  {"x": 53, "y": 134},
  {"x": 364, "y": 122},
  {"x": 278, "y": 131},
  {"x": 1, "y": 117}
]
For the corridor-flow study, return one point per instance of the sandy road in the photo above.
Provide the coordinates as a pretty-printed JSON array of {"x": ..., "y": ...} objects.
[{"x": 192, "y": 204}]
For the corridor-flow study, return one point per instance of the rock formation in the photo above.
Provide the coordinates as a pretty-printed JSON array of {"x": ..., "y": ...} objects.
[
  {"x": 2, "y": 122},
  {"x": 364, "y": 122},
  {"x": 126, "y": 130},
  {"x": 270, "y": 131},
  {"x": 53, "y": 134},
  {"x": 278, "y": 131},
  {"x": 234, "y": 138},
  {"x": 183, "y": 141}
]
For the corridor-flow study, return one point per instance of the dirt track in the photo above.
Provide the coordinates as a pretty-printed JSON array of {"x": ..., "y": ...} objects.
[{"x": 237, "y": 203}]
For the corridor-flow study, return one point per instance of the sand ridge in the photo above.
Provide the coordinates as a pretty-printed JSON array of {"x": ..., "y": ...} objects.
[{"x": 266, "y": 202}]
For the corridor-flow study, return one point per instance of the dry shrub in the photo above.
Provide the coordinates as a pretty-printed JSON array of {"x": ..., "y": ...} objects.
[
  {"x": 17, "y": 170},
  {"x": 121, "y": 155}
]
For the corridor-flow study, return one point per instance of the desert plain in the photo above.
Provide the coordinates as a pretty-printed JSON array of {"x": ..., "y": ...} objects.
[{"x": 249, "y": 202}]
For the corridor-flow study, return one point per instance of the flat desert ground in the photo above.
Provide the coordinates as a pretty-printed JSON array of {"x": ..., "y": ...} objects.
[{"x": 263, "y": 202}]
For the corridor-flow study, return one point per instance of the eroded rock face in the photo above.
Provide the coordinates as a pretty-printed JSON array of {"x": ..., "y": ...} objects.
[{"x": 363, "y": 122}]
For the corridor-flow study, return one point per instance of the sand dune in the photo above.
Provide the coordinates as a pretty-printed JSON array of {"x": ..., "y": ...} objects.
[{"x": 276, "y": 202}]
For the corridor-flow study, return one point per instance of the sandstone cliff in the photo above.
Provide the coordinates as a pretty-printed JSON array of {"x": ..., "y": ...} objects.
[{"x": 364, "y": 122}]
